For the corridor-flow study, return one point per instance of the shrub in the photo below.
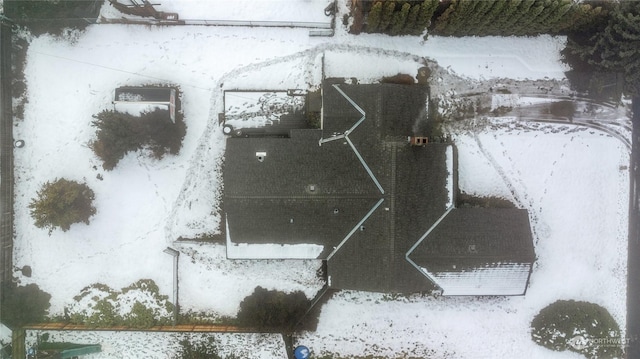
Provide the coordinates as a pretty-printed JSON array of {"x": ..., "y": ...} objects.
[
  {"x": 119, "y": 133},
  {"x": 62, "y": 203},
  {"x": 52, "y": 16},
  {"x": 206, "y": 349},
  {"x": 400, "y": 79},
  {"x": 271, "y": 309},
  {"x": 141, "y": 316},
  {"x": 581, "y": 327},
  {"x": 100, "y": 306},
  {"x": 23, "y": 305}
]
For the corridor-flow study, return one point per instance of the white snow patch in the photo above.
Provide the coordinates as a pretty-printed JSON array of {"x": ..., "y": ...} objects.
[
  {"x": 497, "y": 279},
  {"x": 449, "y": 185},
  {"x": 162, "y": 345},
  {"x": 250, "y": 109},
  {"x": 273, "y": 251}
]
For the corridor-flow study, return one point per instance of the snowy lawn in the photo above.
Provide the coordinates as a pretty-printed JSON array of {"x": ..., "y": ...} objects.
[
  {"x": 576, "y": 193},
  {"x": 578, "y": 208}
]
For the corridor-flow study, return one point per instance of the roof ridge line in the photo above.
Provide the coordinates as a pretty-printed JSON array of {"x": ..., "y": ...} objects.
[
  {"x": 353, "y": 147},
  {"x": 355, "y": 105},
  {"x": 364, "y": 164},
  {"x": 355, "y": 228},
  {"x": 415, "y": 245}
]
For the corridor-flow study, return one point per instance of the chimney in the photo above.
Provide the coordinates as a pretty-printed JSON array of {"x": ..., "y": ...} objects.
[{"x": 418, "y": 140}]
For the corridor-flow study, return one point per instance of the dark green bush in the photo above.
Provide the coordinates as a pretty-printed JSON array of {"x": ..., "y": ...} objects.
[
  {"x": 206, "y": 349},
  {"x": 581, "y": 327},
  {"x": 62, "y": 203},
  {"x": 23, "y": 305},
  {"x": 141, "y": 316},
  {"x": 271, "y": 309},
  {"x": 52, "y": 16},
  {"x": 119, "y": 133}
]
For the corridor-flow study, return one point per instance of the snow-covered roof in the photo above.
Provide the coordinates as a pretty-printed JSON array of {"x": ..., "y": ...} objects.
[
  {"x": 490, "y": 279},
  {"x": 478, "y": 251}
]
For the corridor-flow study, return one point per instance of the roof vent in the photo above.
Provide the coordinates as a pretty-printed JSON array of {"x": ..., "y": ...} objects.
[
  {"x": 312, "y": 189},
  {"x": 336, "y": 211},
  {"x": 473, "y": 249},
  {"x": 260, "y": 156}
]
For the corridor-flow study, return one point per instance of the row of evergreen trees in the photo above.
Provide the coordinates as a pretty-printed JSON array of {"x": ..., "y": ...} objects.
[
  {"x": 480, "y": 18},
  {"x": 613, "y": 48},
  {"x": 401, "y": 17}
]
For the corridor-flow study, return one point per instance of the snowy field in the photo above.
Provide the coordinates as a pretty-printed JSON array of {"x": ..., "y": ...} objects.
[{"x": 572, "y": 181}]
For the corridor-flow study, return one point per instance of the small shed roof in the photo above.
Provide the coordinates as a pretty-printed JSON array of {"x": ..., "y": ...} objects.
[{"x": 144, "y": 94}]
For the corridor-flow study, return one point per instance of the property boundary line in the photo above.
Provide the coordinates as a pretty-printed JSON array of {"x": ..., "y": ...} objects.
[
  {"x": 180, "y": 328},
  {"x": 6, "y": 156}
]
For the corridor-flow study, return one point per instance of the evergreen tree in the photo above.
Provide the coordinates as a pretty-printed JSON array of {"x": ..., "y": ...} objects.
[
  {"x": 400, "y": 19},
  {"x": 119, "y": 133},
  {"x": 511, "y": 8},
  {"x": 427, "y": 8},
  {"x": 582, "y": 18},
  {"x": 272, "y": 309},
  {"x": 411, "y": 25},
  {"x": 23, "y": 305},
  {"x": 527, "y": 24},
  {"x": 514, "y": 25},
  {"x": 387, "y": 15},
  {"x": 62, "y": 203},
  {"x": 492, "y": 15},
  {"x": 556, "y": 15},
  {"x": 373, "y": 19},
  {"x": 116, "y": 137},
  {"x": 616, "y": 48}
]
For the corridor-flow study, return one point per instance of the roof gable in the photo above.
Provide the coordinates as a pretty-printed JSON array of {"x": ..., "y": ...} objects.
[{"x": 382, "y": 209}]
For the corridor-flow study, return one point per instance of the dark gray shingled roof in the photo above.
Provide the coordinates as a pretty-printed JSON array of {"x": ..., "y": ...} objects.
[
  {"x": 471, "y": 237},
  {"x": 397, "y": 194}
]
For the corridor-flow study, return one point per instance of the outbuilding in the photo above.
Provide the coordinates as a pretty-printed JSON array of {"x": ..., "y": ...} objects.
[{"x": 138, "y": 100}]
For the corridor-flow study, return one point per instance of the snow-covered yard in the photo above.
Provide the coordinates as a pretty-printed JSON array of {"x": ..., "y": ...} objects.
[{"x": 572, "y": 181}]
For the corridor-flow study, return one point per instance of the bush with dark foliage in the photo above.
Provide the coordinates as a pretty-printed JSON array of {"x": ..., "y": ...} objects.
[
  {"x": 62, "y": 203},
  {"x": 119, "y": 133},
  {"x": 271, "y": 309},
  {"x": 23, "y": 305},
  {"x": 52, "y": 16},
  {"x": 582, "y": 327},
  {"x": 205, "y": 349}
]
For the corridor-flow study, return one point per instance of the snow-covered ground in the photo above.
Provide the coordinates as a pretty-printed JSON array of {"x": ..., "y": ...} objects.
[
  {"x": 309, "y": 11},
  {"x": 149, "y": 345},
  {"x": 572, "y": 182}
]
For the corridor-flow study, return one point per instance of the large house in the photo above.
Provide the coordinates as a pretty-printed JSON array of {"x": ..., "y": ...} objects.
[{"x": 375, "y": 204}]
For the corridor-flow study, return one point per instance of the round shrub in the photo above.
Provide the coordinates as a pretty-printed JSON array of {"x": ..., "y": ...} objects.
[
  {"x": 62, "y": 203},
  {"x": 581, "y": 327},
  {"x": 271, "y": 309},
  {"x": 23, "y": 305}
]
